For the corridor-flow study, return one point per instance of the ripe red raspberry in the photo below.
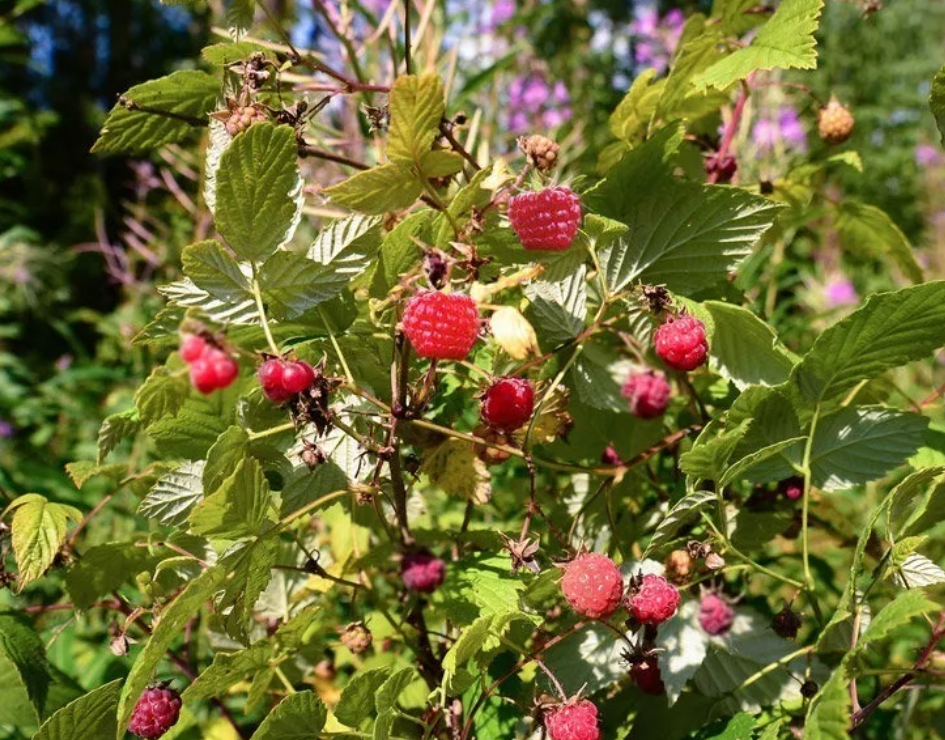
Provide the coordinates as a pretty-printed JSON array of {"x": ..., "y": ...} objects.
[
  {"x": 357, "y": 638},
  {"x": 270, "y": 378},
  {"x": 422, "y": 572},
  {"x": 508, "y": 403},
  {"x": 215, "y": 369},
  {"x": 681, "y": 343},
  {"x": 715, "y": 614},
  {"x": 192, "y": 347},
  {"x": 654, "y": 600},
  {"x": 835, "y": 122},
  {"x": 297, "y": 377},
  {"x": 547, "y": 220},
  {"x": 573, "y": 721},
  {"x": 648, "y": 394},
  {"x": 646, "y": 676},
  {"x": 155, "y": 713},
  {"x": 593, "y": 585},
  {"x": 441, "y": 326}
]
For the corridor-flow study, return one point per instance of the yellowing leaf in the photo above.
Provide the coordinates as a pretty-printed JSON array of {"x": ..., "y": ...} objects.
[
  {"x": 455, "y": 467},
  {"x": 39, "y": 529}
]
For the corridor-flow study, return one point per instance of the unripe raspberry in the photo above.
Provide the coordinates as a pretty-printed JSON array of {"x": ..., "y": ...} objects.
[
  {"x": 653, "y": 600},
  {"x": 681, "y": 343},
  {"x": 593, "y": 585},
  {"x": 156, "y": 712},
  {"x": 422, "y": 572},
  {"x": 540, "y": 150},
  {"x": 192, "y": 347},
  {"x": 508, "y": 403},
  {"x": 835, "y": 122},
  {"x": 646, "y": 676},
  {"x": 648, "y": 394},
  {"x": 678, "y": 566},
  {"x": 573, "y": 721},
  {"x": 357, "y": 638},
  {"x": 242, "y": 118},
  {"x": 715, "y": 614},
  {"x": 441, "y": 326},
  {"x": 548, "y": 220},
  {"x": 297, "y": 377},
  {"x": 490, "y": 455}
]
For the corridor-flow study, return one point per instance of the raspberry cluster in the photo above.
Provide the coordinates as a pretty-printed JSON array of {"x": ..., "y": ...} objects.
[
  {"x": 422, "y": 573},
  {"x": 507, "y": 404},
  {"x": 681, "y": 343},
  {"x": 242, "y": 117},
  {"x": 648, "y": 394},
  {"x": 573, "y": 721},
  {"x": 715, "y": 614},
  {"x": 593, "y": 585},
  {"x": 547, "y": 220},
  {"x": 441, "y": 326},
  {"x": 156, "y": 712},
  {"x": 280, "y": 380},
  {"x": 653, "y": 600},
  {"x": 210, "y": 367}
]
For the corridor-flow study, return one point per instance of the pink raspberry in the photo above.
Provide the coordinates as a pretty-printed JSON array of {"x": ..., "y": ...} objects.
[
  {"x": 593, "y": 585},
  {"x": 573, "y": 721},
  {"x": 792, "y": 488},
  {"x": 422, "y": 572},
  {"x": 213, "y": 370},
  {"x": 648, "y": 394},
  {"x": 508, "y": 403},
  {"x": 155, "y": 713},
  {"x": 715, "y": 614},
  {"x": 654, "y": 600},
  {"x": 192, "y": 347},
  {"x": 280, "y": 380},
  {"x": 441, "y": 326},
  {"x": 646, "y": 676},
  {"x": 297, "y": 377},
  {"x": 681, "y": 343},
  {"x": 548, "y": 220}
]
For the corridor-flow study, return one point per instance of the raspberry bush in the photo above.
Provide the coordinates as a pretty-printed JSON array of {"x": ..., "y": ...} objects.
[{"x": 452, "y": 434}]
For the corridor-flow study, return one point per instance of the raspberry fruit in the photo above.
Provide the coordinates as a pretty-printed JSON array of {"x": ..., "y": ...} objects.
[
  {"x": 540, "y": 150},
  {"x": 441, "y": 326},
  {"x": 715, "y": 614},
  {"x": 508, "y": 403},
  {"x": 593, "y": 585},
  {"x": 792, "y": 488},
  {"x": 357, "y": 638},
  {"x": 215, "y": 369},
  {"x": 679, "y": 566},
  {"x": 654, "y": 600},
  {"x": 422, "y": 572},
  {"x": 835, "y": 122},
  {"x": 786, "y": 623},
  {"x": 547, "y": 220},
  {"x": 646, "y": 676},
  {"x": 648, "y": 394},
  {"x": 242, "y": 118},
  {"x": 297, "y": 377},
  {"x": 192, "y": 348},
  {"x": 281, "y": 380},
  {"x": 681, "y": 343},
  {"x": 573, "y": 721},
  {"x": 155, "y": 713}
]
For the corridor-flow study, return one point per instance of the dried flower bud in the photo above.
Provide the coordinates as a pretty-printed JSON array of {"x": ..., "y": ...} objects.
[{"x": 513, "y": 333}]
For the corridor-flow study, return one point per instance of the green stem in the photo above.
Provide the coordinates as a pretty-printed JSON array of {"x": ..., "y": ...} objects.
[
  {"x": 261, "y": 310},
  {"x": 730, "y": 548},
  {"x": 805, "y": 466},
  {"x": 334, "y": 343}
]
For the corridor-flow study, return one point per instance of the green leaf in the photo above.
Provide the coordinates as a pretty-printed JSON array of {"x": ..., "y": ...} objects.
[
  {"x": 385, "y": 700},
  {"x": 700, "y": 47},
  {"x": 162, "y": 394},
  {"x": 440, "y": 163},
  {"x": 227, "y": 670},
  {"x": 90, "y": 717},
  {"x": 907, "y": 500},
  {"x": 105, "y": 568},
  {"x": 114, "y": 429},
  {"x": 251, "y": 565},
  {"x": 859, "y": 445},
  {"x": 889, "y": 330},
  {"x": 184, "y": 294},
  {"x": 739, "y": 727},
  {"x": 937, "y": 101},
  {"x": 227, "y": 53},
  {"x": 198, "y": 424},
  {"x": 347, "y": 246},
  {"x": 596, "y": 378},
  {"x": 211, "y": 268},
  {"x": 240, "y": 15},
  {"x": 378, "y": 190},
  {"x": 416, "y": 109},
  {"x": 158, "y": 112},
  {"x": 173, "y": 619},
  {"x": 357, "y": 700},
  {"x": 480, "y": 585},
  {"x": 683, "y": 512},
  {"x": 896, "y": 614},
  {"x": 558, "y": 309},
  {"x": 23, "y": 664},
  {"x": 300, "y": 716},
  {"x": 786, "y": 41},
  {"x": 916, "y": 571},
  {"x": 745, "y": 464},
  {"x": 82, "y": 471},
  {"x": 709, "y": 460},
  {"x": 828, "y": 717},
  {"x": 258, "y": 187},
  {"x": 633, "y": 114},
  {"x": 227, "y": 452},
  {"x": 174, "y": 495},
  {"x": 39, "y": 529},
  {"x": 868, "y": 229},
  {"x": 237, "y": 508}
]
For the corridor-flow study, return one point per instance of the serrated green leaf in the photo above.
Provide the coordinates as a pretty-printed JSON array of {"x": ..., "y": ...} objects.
[
  {"x": 105, "y": 568},
  {"x": 174, "y": 495},
  {"x": 683, "y": 512},
  {"x": 378, "y": 190},
  {"x": 184, "y": 294},
  {"x": 250, "y": 564},
  {"x": 708, "y": 461},
  {"x": 227, "y": 670},
  {"x": 357, "y": 699},
  {"x": 23, "y": 663},
  {"x": 634, "y": 112},
  {"x": 227, "y": 452},
  {"x": 743, "y": 465},
  {"x": 227, "y": 53},
  {"x": 158, "y": 112},
  {"x": 916, "y": 571},
  {"x": 257, "y": 190},
  {"x": 868, "y": 229},
  {"x": 90, "y": 717},
  {"x": 300, "y": 716},
  {"x": 744, "y": 348},
  {"x": 828, "y": 717},
  {"x": 385, "y": 700},
  {"x": 211, "y": 268},
  {"x": 237, "y": 508},
  {"x": 82, "y": 471},
  {"x": 162, "y": 394},
  {"x": 558, "y": 309},
  {"x": 441, "y": 163},
  {"x": 39, "y": 529},
  {"x": 114, "y": 429},
  {"x": 898, "y": 613},
  {"x": 416, "y": 109}
]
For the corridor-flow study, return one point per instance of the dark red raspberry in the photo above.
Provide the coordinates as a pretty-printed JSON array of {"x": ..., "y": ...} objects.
[
  {"x": 270, "y": 378},
  {"x": 155, "y": 713},
  {"x": 786, "y": 623},
  {"x": 547, "y": 220},
  {"x": 646, "y": 676},
  {"x": 593, "y": 585},
  {"x": 508, "y": 403},
  {"x": 715, "y": 614},
  {"x": 610, "y": 456},
  {"x": 441, "y": 326},
  {"x": 297, "y": 377},
  {"x": 721, "y": 169},
  {"x": 648, "y": 394},
  {"x": 192, "y": 347},
  {"x": 681, "y": 343},
  {"x": 573, "y": 721},
  {"x": 654, "y": 600},
  {"x": 792, "y": 488},
  {"x": 422, "y": 572}
]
